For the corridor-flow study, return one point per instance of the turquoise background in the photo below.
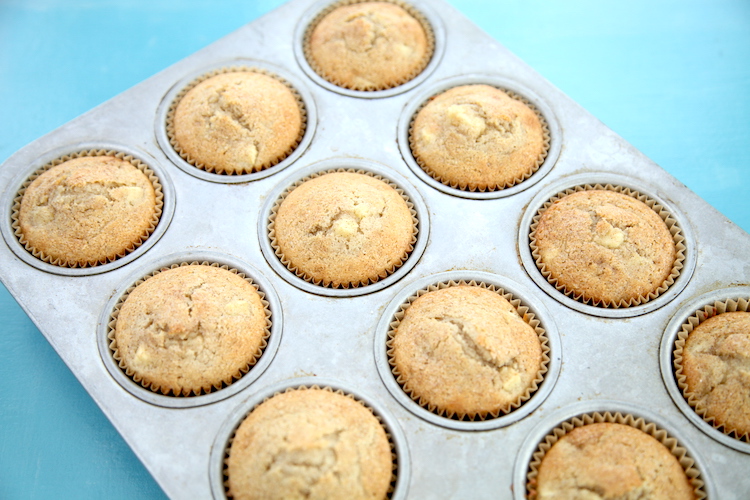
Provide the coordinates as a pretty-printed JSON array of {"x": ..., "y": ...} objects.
[{"x": 671, "y": 77}]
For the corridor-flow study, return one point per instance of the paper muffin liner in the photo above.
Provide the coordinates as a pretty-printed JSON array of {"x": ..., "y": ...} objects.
[
  {"x": 660, "y": 210},
  {"x": 661, "y": 435},
  {"x": 328, "y": 284},
  {"x": 411, "y": 10},
  {"x": 394, "y": 455},
  {"x": 546, "y": 142},
  {"x": 169, "y": 120},
  {"x": 158, "y": 207},
  {"x": 698, "y": 317},
  {"x": 208, "y": 388},
  {"x": 525, "y": 313}
]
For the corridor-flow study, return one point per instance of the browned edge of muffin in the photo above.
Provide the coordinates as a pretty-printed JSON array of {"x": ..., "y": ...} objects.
[
  {"x": 158, "y": 207},
  {"x": 319, "y": 282},
  {"x": 661, "y": 435},
  {"x": 698, "y": 317},
  {"x": 546, "y": 141},
  {"x": 169, "y": 120},
  {"x": 522, "y": 309},
  {"x": 185, "y": 392},
  {"x": 394, "y": 455},
  {"x": 410, "y": 9},
  {"x": 660, "y": 210}
]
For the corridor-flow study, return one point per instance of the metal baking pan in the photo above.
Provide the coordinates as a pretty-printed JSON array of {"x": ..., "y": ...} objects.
[{"x": 604, "y": 361}]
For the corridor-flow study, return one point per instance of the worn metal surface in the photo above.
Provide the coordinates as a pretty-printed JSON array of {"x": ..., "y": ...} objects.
[{"x": 600, "y": 359}]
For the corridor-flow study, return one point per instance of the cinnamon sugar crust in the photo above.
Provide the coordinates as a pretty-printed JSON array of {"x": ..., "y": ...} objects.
[
  {"x": 611, "y": 461},
  {"x": 344, "y": 228},
  {"x": 238, "y": 122},
  {"x": 190, "y": 329},
  {"x": 477, "y": 137},
  {"x": 87, "y": 210},
  {"x": 716, "y": 365},
  {"x": 310, "y": 443},
  {"x": 605, "y": 246},
  {"x": 369, "y": 46},
  {"x": 465, "y": 350}
]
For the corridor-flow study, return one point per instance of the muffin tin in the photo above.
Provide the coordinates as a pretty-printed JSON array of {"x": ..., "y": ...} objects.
[{"x": 600, "y": 360}]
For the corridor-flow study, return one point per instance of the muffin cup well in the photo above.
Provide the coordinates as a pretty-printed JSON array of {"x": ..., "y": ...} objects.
[
  {"x": 536, "y": 98},
  {"x": 682, "y": 268},
  {"x": 288, "y": 271},
  {"x": 532, "y": 312},
  {"x": 671, "y": 355},
  {"x": 162, "y": 396},
  {"x": 164, "y": 124},
  {"x": 401, "y": 468},
  {"x": 430, "y": 22},
  {"x": 556, "y": 426},
  {"x": 164, "y": 208}
]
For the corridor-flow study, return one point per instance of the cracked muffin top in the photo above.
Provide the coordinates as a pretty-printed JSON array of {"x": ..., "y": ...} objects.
[
  {"x": 716, "y": 365},
  {"x": 310, "y": 443},
  {"x": 465, "y": 350},
  {"x": 477, "y": 137},
  {"x": 369, "y": 46},
  {"x": 611, "y": 461},
  {"x": 237, "y": 123},
  {"x": 343, "y": 229},
  {"x": 87, "y": 211},
  {"x": 604, "y": 246},
  {"x": 190, "y": 329}
]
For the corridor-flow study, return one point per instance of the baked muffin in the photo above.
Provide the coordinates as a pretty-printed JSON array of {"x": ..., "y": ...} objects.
[
  {"x": 611, "y": 461},
  {"x": 237, "y": 122},
  {"x": 343, "y": 229},
  {"x": 87, "y": 211},
  {"x": 604, "y": 246},
  {"x": 465, "y": 350},
  {"x": 309, "y": 443},
  {"x": 716, "y": 365},
  {"x": 190, "y": 329},
  {"x": 369, "y": 46},
  {"x": 477, "y": 137}
]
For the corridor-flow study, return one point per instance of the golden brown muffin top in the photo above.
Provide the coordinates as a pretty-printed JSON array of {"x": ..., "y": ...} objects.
[
  {"x": 477, "y": 137},
  {"x": 466, "y": 350},
  {"x": 87, "y": 211},
  {"x": 190, "y": 329},
  {"x": 716, "y": 364},
  {"x": 238, "y": 122},
  {"x": 344, "y": 228},
  {"x": 611, "y": 461},
  {"x": 605, "y": 246},
  {"x": 369, "y": 46},
  {"x": 311, "y": 444}
]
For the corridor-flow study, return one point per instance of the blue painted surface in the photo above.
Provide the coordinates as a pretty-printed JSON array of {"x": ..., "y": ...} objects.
[{"x": 671, "y": 77}]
